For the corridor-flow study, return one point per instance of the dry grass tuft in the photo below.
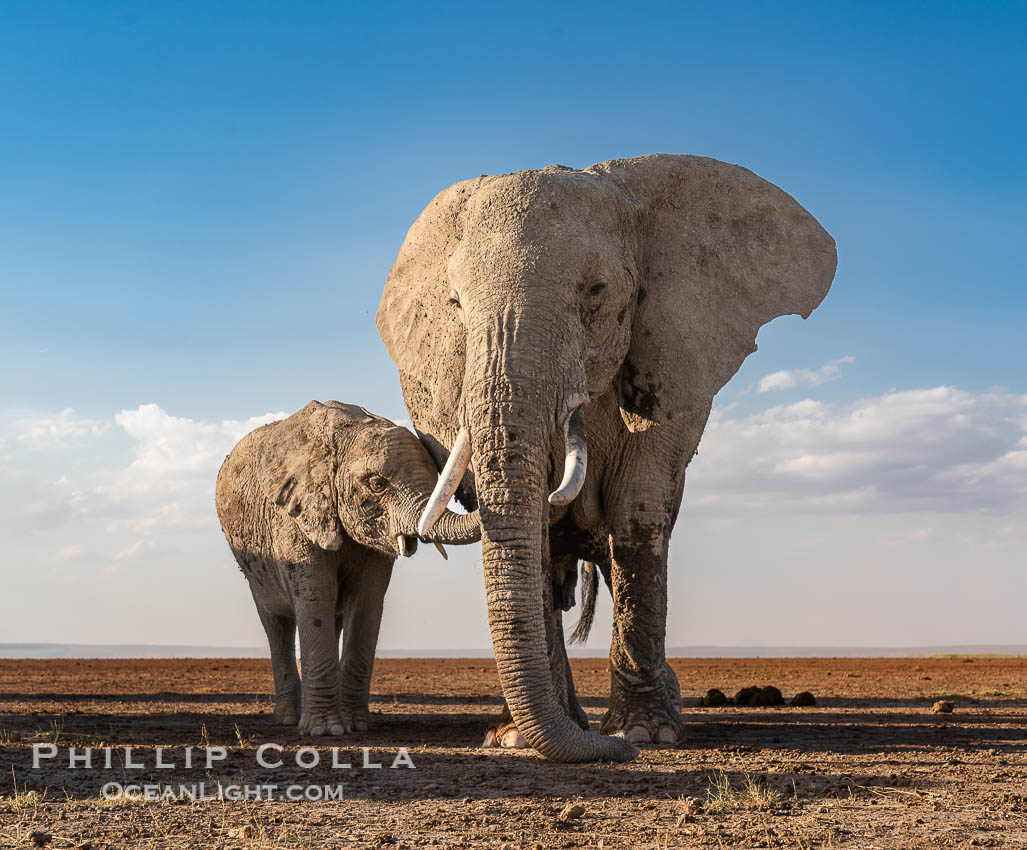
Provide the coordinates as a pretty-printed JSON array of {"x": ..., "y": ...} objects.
[
  {"x": 751, "y": 793},
  {"x": 53, "y": 733},
  {"x": 244, "y": 742}
]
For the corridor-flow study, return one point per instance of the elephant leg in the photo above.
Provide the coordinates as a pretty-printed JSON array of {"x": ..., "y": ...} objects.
[
  {"x": 574, "y": 708},
  {"x": 364, "y": 587},
  {"x": 315, "y": 594},
  {"x": 281, "y": 637},
  {"x": 565, "y": 580},
  {"x": 644, "y": 695}
]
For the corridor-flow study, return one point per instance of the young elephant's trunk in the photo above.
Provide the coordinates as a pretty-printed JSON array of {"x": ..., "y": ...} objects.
[
  {"x": 451, "y": 527},
  {"x": 455, "y": 528}
]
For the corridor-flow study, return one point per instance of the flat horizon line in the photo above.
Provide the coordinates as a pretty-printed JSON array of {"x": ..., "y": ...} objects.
[{"x": 44, "y": 650}]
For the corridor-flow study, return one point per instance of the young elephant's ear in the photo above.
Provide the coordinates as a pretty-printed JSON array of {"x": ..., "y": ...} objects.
[
  {"x": 297, "y": 473},
  {"x": 420, "y": 328},
  {"x": 723, "y": 252}
]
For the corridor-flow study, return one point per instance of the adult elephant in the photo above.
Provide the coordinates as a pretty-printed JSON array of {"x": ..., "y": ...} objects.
[{"x": 542, "y": 316}]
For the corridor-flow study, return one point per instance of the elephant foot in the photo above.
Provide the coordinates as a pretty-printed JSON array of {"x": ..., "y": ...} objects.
[
  {"x": 645, "y": 724},
  {"x": 353, "y": 719},
  {"x": 323, "y": 722},
  {"x": 287, "y": 711},
  {"x": 652, "y": 716},
  {"x": 504, "y": 733}
]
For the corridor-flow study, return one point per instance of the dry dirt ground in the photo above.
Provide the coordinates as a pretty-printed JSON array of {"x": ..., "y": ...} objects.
[{"x": 868, "y": 766}]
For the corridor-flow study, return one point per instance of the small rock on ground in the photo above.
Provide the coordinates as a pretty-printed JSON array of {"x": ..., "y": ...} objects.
[{"x": 572, "y": 811}]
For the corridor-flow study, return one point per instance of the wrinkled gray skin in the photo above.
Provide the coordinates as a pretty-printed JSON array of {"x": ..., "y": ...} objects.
[
  {"x": 312, "y": 507},
  {"x": 633, "y": 290}
]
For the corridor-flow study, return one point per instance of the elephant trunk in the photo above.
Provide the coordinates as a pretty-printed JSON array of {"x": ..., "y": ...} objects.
[
  {"x": 510, "y": 431},
  {"x": 456, "y": 529},
  {"x": 449, "y": 527}
]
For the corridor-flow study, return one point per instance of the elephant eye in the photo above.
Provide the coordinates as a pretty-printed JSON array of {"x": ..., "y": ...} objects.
[
  {"x": 596, "y": 288},
  {"x": 454, "y": 298},
  {"x": 377, "y": 483}
]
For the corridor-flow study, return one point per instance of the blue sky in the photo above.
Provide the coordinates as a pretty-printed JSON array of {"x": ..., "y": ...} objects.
[{"x": 200, "y": 203}]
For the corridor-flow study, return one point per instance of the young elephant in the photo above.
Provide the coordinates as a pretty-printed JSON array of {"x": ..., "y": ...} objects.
[{"x": 316, "y": 508}]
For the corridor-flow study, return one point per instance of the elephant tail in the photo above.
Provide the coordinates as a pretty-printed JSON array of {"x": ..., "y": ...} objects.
[{"x": 589, "y": 586}]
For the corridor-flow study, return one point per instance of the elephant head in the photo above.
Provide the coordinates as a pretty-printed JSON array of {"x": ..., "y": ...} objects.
[
  {"x": 338, "y": 470},
  {"x": 516, "y": 299}
]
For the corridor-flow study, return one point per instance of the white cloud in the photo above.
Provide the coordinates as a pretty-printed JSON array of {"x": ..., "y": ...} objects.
[
  {"x": 166, "y": 479},
  {"x": 70, "y": 552},
  {"x": 129, "y": 551},
  {"x": 170, "y": 480},
  {"x": 940, "y": 449},
  {"x": 56, "y": 430},
  {"x": 171, "y": 449},
  {"x": 792, "y": 378}
]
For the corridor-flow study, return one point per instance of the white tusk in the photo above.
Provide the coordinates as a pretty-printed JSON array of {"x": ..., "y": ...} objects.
[
  {"x": 442, "y": 550},
  {"x": 401, "y": 542},
  {"x": 575, "y": 464},
  {"x": 449, "y": 480}
]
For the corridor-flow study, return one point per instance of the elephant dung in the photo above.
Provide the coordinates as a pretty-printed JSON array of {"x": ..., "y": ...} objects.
[
  {"x": 714, "y": 698},
  {"x": 759, "y": 697}
]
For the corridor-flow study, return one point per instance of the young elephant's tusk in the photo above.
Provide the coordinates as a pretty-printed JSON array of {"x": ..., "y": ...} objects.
[
  {"x": 401, "y": 542},
  {"x": 449, "y": 480},
  {"x": 575, "y": 464},
  {"x": 442, "y": 550}
]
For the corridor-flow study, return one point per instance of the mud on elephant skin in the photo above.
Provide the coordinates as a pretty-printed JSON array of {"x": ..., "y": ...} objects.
[
  {"x": 316, "y": 508},
  {"x": 592, "y": 314}
]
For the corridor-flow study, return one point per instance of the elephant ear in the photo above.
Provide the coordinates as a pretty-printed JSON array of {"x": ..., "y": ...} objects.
[
  {"x": 723, "y": 252},
  {"x": 297, "y": 464},
  {"x": 422, "y": 332}
]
